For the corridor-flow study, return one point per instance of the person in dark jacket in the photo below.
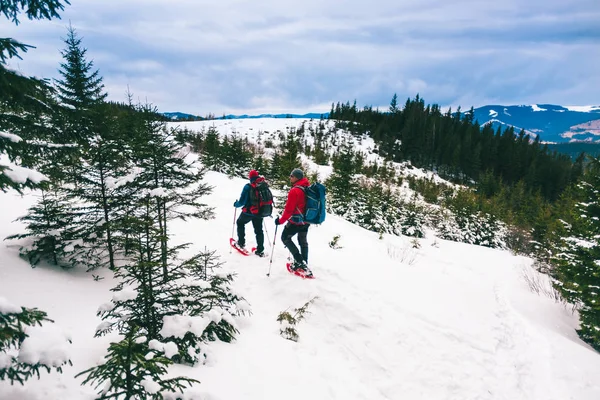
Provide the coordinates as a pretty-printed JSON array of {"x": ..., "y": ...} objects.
[
  {"x": 293, "y": 213},
  {"x": 247, "y": 215}
]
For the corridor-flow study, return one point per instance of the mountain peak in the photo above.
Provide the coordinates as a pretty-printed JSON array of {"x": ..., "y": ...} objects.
[{"x": 551, "y": 122}]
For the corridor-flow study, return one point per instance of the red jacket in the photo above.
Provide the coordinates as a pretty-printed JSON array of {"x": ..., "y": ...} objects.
[{"x": 295, "y": 206}]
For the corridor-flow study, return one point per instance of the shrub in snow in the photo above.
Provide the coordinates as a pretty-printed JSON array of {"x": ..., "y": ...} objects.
[
  {"x": 25, "y": 348},
  {"x": 407, "y": 254},
  {"x": 134, "y": 369},
  {"x": 520, "y": 242},
  {"x": 288, "y": 321},
  {"x": 334, "y": 243}
]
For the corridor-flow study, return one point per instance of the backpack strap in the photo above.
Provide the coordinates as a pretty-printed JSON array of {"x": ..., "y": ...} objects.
[{"x": 297, "y": 208}]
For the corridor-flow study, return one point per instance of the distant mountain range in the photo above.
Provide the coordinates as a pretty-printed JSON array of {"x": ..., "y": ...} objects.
[
  {"x": 553, "y": 123},
  {"x": 184, "y": 116}
]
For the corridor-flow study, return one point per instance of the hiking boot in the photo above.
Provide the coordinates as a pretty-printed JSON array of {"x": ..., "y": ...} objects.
[
  {"x": 260, "y": 253},
  {"x": 299, "y": 266}
]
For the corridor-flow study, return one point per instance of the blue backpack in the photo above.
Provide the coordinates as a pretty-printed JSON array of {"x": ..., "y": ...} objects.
[{"x": 315, "y": 203}]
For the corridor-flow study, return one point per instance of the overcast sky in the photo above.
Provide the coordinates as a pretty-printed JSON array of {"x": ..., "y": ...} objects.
[{"x": 239, "y": 56}]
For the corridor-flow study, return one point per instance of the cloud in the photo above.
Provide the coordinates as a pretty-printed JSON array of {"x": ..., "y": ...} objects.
[{"x": 238, "y": 56}]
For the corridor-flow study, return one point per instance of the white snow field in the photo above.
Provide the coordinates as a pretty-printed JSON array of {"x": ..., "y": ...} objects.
[
  {"x": 445, "y": 321},
  {"x": 389, "y": 321}
]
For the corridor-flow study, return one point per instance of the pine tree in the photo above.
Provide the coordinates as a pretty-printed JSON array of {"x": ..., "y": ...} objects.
[
  {"x": 235, "y": 156},
  {"x": 174, "y": 183},
  {"x": 80, "y": 91},
  {"x": 211, "y": 151},
  {"x": 134, "y": 369},
  {"x": 106, "y": 162},
  {"x": 320, "y": 153},
  {"x": 275, "y": 168},
  {"x": 13, "y": 322},
  {"x": 27, "y": 113},
  {"x": 369, "y": 203},
  {"x": 80, "y": 87},
  {"x": 156, "y": 286},
  {"x": 289, "y": 157},
  {"x": 24, "y": 104},
  {"x": 262, "y": 164},
  {"x": 394, "y": 104},
  {"x": 412, "y": 219},
  {"x": 52, "y": 226},
  {"x": 578, "y": 257},
  {"x": 341, "y": 184},
  {"x": 144, "y": 299}
]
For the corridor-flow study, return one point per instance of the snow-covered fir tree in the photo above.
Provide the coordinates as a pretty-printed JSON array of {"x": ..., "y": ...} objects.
[
  {"x": 105, "y": 168},
  {"x": 75, "y": 208},
  {"x": 412, "y": 218},
  {"x": 135, "y": 368},
  {"x": 156, "y": 288},
  {"x": 52, "y": 228},
  {"x": 211, "y": 150},
  {"x": 342, "y": 187},
  {"x": 288, "y": 159},
  {"x": 18, "y": 360},
  {"x": 179, "y": 302},
  {"x": 25, "y": 108},
  {"x": 319, "y": 151},
  {"x": 578, "y": 257},
  {"x": 173, "y": 180},
  {"x": 237, "y": 156}
]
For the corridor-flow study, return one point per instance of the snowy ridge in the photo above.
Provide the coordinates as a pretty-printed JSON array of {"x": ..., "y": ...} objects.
[
  {"x": 260, "y": 130},
  {"x": 532, "y": 134},
  {"x": 389, "y": 321}
]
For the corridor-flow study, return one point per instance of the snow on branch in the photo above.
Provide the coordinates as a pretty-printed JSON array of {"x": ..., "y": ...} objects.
[
  {"x": 114, "y": 183},
  {"x": 10, "y": 136},
  {"x": 42, "y": 143},
  {"x": 21, "y": 174}
]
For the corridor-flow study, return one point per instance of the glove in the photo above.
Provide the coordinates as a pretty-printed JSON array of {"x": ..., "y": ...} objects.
[
  {"x": 235, "y": 204},
  {"x": 277, "y": 221}
]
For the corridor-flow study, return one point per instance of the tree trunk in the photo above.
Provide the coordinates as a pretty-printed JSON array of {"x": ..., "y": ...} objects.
[{"x": 111, "y": 256}]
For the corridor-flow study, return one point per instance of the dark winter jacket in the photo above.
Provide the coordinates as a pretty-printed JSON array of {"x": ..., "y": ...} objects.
[
  {"x": 295, "y": 206},
  {"x": 244, "y": 200}
]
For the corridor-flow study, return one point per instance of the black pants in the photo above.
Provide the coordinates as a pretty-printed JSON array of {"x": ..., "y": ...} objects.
[
  {"x": 257, "y": 223},
  {"x": 289, "y": 232}
]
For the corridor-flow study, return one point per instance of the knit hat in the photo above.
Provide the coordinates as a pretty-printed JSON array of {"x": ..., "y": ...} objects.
[
  {"x": 253, "y": 175},
  {"x": 297, "y": 173}
]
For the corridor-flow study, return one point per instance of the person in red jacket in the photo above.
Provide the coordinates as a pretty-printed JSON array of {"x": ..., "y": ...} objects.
[{"x": 293, "y": 213}]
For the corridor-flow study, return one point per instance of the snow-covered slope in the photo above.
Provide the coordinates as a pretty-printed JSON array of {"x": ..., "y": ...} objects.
[
  {"x": 444, "y": 321},
  {"x": 553, "y": 123},
  {"x": 260, "y": 130}
]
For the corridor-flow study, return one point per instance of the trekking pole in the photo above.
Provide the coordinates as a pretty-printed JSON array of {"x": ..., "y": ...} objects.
[
  {"x": 233, "y": 226},
  {"x": 268, "y": 238},
  {"x": 272, "y": 250}
]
